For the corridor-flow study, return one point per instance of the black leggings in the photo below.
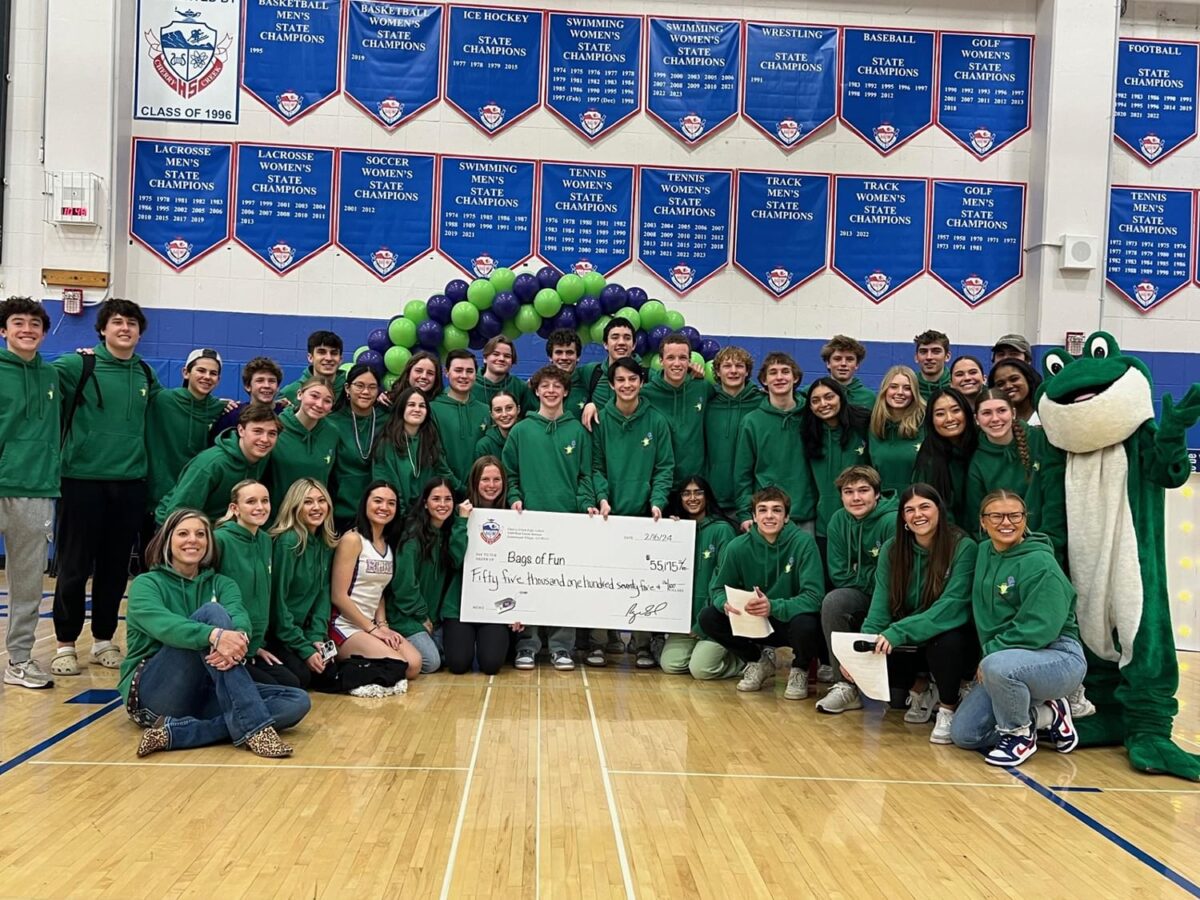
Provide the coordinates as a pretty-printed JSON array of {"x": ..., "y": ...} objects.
[
  {"x": 464, "y": 641},
  {"x": 266, "y": 673},
  {"x": 802, "y": 633},
  {"x": 950, "y": 658}
]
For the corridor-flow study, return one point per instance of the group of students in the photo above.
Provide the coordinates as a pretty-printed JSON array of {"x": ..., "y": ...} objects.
[{"x": 327, "y": 518}]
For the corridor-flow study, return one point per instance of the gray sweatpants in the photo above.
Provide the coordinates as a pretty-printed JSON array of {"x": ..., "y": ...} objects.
[
  {"x": 843, "y": 609},
  {"x": 27, "y": 524}
]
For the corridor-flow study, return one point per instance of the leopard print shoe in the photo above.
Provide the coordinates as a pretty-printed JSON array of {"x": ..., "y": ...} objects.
[
  {"x": 268, "y": 744},
  {"x": 154, "y": 738}
]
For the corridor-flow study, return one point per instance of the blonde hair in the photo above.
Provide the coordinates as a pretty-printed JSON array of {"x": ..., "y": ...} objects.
[
  {"x": 289, "y": 515},
  {"x": 233, "y": 499},
  {"x": 908, "y": 422},
  {"x": 1002, "y": 494}
]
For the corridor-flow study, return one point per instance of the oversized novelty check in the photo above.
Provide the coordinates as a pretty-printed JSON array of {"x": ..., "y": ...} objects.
[{"x": 542, "y": 568}]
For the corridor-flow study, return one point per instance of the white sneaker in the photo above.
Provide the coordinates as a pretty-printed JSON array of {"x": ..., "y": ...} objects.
[
  {"x": 27, "y": 674},
  {"x": 826, "y": 675},
  {"x": 1081, "y": 706},
  {"x": 842, "y": 696},
  {"x": 921, "y": 705},
  {"x": 797, "y": 685},
  {"x": 400, "y": 687},
  {"x": 756, "y": 674},
  {"x": 941, "y": 728},
  {"x": 371, "y": 690}
]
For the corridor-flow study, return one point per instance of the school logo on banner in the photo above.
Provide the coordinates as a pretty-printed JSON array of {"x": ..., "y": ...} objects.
[
  {"x": 282, "y": 255},
  {"x": 494, "y": 64},
  {"x": 583, "y": 267},
  {"x": 392, "y": 58},
  {"x": 383, "y": 261},
  {"x": 790, "y": 81},
  {"x": 485, "y": 219},
  {"x": 385, "y": 208},
  {"x": 885, "y": 135},
  {"x": 683, "y": 224},
  {"x": 887, "y": 85},
  {"x": 1146, "y": 293},
  {"x": 695, "y": 75},
  {"x": 1151, "y": 146},
  {"x": 179, "y": 251},
  {"x": 292, "y": 57},
  {"x": 974, "y": 288},
  {"x": 390, "y": 110},
  {"x": 1156, "y": 97},
  {"x": 592, "y": 122},
  {"x": 682, "y": 275},
  {"x": 483, "y": 265},
  {"x": 788, "y": 132},
  {"x": 289, "y": 103},
  {"x": 982, "y": 140},
  {"x": 780, "y": 228},
  {"x": 189, "y": 54},
  {"x": 183, "y": 68},
  {"x": 585, "y": 216},
  {"x": 878, "y": 283},
  {"x": 983, "y": 88},
  {"x": 879, "y": 232},
  {"x": 977, "y": 237},
  {"x": 491, "y": 115},
  {"x": 284, "y": 203},
  {"x": 779, "y": 280},
  {"x": 1150, "y": 243},
  {"x": 593, "y": 70}
]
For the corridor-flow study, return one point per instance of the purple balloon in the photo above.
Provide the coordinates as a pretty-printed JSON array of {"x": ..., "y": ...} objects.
[
  {"x": 525, "y": 286},
  {"x": 546, "y": 327},
  {"x": 475, "y": 339},
  {"x": 635, "y": 297},
  {"x": 588, "y": 309},
  {"x": 378, "y": 340},
  {"x": 506, "y": 303},
  {"x": 709, "y": 348},
  {"x": 657, "y": 333},
  {"x": 692, "y": 334},
  {"x": 489, "y": 325},
  {"x": 456, "y": 290},
  {"x": 566, "y": 318},
  {"x": 438, "y": 307},
  {"x": 641, "y": 343},
  {"x": 548, "y": 276},
  {"x": 429, "y": 335},
  {"x": 372, "y": 358},
  {"x": 613, "y": 298}
]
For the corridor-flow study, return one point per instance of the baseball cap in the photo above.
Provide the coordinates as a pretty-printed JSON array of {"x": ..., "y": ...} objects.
[
  {"x": 1016, "y": 341},
  {"x": 202, "y": 353}
]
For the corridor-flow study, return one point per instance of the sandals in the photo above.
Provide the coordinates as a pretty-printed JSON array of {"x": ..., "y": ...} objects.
[
  {"x": 65, "y": 662},
  {"x": 106, "y": 654}
]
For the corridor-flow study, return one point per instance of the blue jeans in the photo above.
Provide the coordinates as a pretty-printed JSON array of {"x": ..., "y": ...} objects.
[
  {"x": 431, "y": 659},
  {"x": 204, "y": 705},
  {"x": 559, "y": 637},
  {"x": 1015, "y": 683}
]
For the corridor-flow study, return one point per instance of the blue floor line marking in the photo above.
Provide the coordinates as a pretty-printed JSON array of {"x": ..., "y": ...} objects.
[
  {"x": 1104, "y": 831},
  {"x": 61, "y": 736},
  {"x": 1068, "y": 788},
  {"x": 95, "y": 696}
]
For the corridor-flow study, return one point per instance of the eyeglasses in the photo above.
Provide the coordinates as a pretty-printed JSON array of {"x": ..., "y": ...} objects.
[
  {"x": 368, "y": 386},
  {"x": 996, "y": 518}
]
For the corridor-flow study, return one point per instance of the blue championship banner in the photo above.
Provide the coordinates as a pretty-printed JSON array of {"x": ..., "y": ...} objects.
[
  {"x": 493, "y": 76},
  {"x": 291, "y": 54},
  {"x": 790, "y": 83},
  {"x": 385, "y": 208},
  {"x": 694, "y": 66},
  {"x": 1156, "y": 97},
  {"x": 983, "y": 88},
  {"x": 179, "y": 204},
  {"x": 977, "y": 238},
  {"x": 1149, "y": 243},
  {"x": 683, "y": 224},
  {"x": 594, "y": 70},
  {"x": 393, "y": 59},
  {"x": 485, "y": 217},
  {"x": 780, "y": 235},
  {"x": 585, "y": 216},
  {"x": 879, "y": 232},
  {"x": 284, "y": 196},
  {"x": 887, "y": 85}
]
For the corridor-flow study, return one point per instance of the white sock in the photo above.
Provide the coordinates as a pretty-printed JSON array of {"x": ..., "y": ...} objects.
[
  {"x": 1044, "y": 717},
  {"x": 100, "y": 646}
]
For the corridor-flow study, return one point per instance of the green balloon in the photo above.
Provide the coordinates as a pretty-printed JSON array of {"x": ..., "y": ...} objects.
[
  {"x": 359, "y": 352},
  {"x": 653, "y": 314},
  {"x": 585, "y": 334},
  {"x": 454, "y": 338},
  {"x": 502, "y": 279},
  {"x": 527, "y": 319},
  {"x": 345, "y": 367},
  {"x": 710, "y": 374},
  {"x": 654, "y": 362},
  {"x": 547, "y": 302},
  {"x": 403, "y": 332},
  {"x": 396, "y": 359},
  {"x": 593, "y": 284},
  {"x": 675, "y": 320},
  {"x": 389, "y": 379},
  {"x": 481, "y": 293},
  {"x": 598, "y": 329},
  {"x": 570, "y": 288},
  {"x": 464, "y": 315},
  {"x": 630, "y": 315},
  {"x": 414, "y": 311},
  {"x": 510, "y": 330},
  {"x": 697, "y": 359}
]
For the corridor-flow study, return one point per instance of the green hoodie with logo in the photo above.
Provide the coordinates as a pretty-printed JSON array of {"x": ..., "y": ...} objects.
[
  {"x": 722, "y": 419},
  {"x": 894, "y": 457},
  {"x": 485, "y": 390},
  {"x": 289, "y": 391},
  {"x": 161, "y": 603},
  {"x": 633, "y": 463},
  {"x": 30, "y": 406},
  {"x": 300, "y": 606},
  {"x": 577, "y": 396},
  {"x": 300, "y": 453},
  {"x": 1021, "y": 598},
  {"x": 855, "y": 544},
  {"x": 402, "y": 470},
  {"x": 208, "y": 479},
  {"x": 549, "y": 464},
  {"x": 788, "y": 571},
  {"x": 246, "y": 558},
  {"x": 683, "y": 407},
  {"x": 825, "y": 471},
  {"x": 713, "y": 535},
  {"x": 177, "y": 427},
  {"x": 952, "y": 609},
  {"x": 460, "y": 426},
  {"x": 352, "y": 462},
  {"x": 108, "y": 434},
  {"x": 770, "y": 454}
]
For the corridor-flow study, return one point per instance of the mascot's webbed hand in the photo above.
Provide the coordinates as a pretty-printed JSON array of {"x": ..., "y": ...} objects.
[
  {"x": 1167, "y": 463},
  {"x": 1184, "y": 414}
]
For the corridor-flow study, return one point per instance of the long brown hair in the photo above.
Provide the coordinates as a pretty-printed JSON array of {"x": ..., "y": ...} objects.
[
  {"x": 1018, "y": 427},
  {"x": 477, "y": 473},
  {"x": 902, "y": 555}
]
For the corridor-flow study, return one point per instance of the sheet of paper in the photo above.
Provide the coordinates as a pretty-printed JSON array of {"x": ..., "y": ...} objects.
[
  {"x": 757, "y": 627},
  {"x": 868, "y": 669}
]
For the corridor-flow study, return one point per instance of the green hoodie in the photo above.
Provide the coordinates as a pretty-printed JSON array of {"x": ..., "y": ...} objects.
[
  {"x": 418, "y": 589},
  {"x": 300, "y": 453},
  {"x": 722, "y": 419},
  {"x": 604, "y": 391},
  {"x": 855, "y": 544},
  {"x": 460, "y": 426},
  {"x": 788, "y": 571},
  {"x": 30, "y": 405},
  {"x": 894, "y": 457},
  {"x": 859, "y": 394},
  {"x": 826, "y": 470},
  {"x": 633, "y": 463},
  {"x": 108, "y": 434},
  {"x": 491, "y": 443},
  {"x": 289, "y": 391},
  {"x": 770, "y": 454},
  {"x": 246, "y": 558},
  {"x": 401, "y": 469},
  {"x": 485, "y": 390},
  {"x": 549, "y": 464},
  {"x": 952, "y": 609},
  {"x": 300, "y": 606},
  {"x": 577, "y": 397},
  {"x": 1021, "y": 598},
  {"x": 161, "y": 603},
  {"x": 176, "y": 430},
  {"x": 351, "y": 471},
  {"x": 683, "y": 408},
  {"x": 712, "y": 537},
  {"x": 207, "y": 480},
  {"x": 928, "y": 387},
  {"x": 451, "y": 604}
]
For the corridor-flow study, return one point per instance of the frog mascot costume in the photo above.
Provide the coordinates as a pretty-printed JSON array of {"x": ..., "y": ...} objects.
[{"x": 1098, "y": 409}]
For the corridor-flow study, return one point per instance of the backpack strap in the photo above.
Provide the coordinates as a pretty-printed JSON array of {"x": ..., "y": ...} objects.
[
  {"x": 86, "y": 375},
  {"x": 597, "y": 374}
]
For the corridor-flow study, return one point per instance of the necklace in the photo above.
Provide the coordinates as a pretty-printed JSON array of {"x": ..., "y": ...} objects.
[
  {"x": 412, "y": 463},
  {"x": 358, "y": 440}
]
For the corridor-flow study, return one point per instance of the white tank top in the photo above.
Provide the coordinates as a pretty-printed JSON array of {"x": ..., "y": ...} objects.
[{"x": 372, "y": 574}]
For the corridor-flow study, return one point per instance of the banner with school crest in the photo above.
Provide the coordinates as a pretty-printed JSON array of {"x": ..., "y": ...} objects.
[
  {"x": 292, "y": 54},
  {"x": 494, "y": 64},
  {"x": 694, "y": 72},
  {"x": 393, "y": 58},
  {"x": 593, "y": 70},
  {"x": 485, "y": 214},
  {"x": 179, "y": 203},
  {"x": 385, "y": 208},
  {"x": 186, "y": 68},
  {"x": 585, "y": 216},
  {"x": 1156, "y": 97},
  {"x": 284, "y": 198},
  {"x": 683, "y": 224},
  {"x": 879, "y": 232},
  {"x": 983, "y": 88},
  {"x": 887, "y": 85},
  {"x": 977, "y": 240},
  {"x": 790, "y": 83},
  {"x": 1150, "y": 243},
  {"x": 780, "y": 229}
]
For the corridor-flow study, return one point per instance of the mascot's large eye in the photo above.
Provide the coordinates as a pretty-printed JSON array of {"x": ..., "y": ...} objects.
[
  {"x": 1101, "y": 346},
  {"x": 1055, "y": 362}
]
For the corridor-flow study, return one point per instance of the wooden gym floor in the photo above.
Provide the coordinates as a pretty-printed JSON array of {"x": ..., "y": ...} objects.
[{"x": 592, "y": 783}]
